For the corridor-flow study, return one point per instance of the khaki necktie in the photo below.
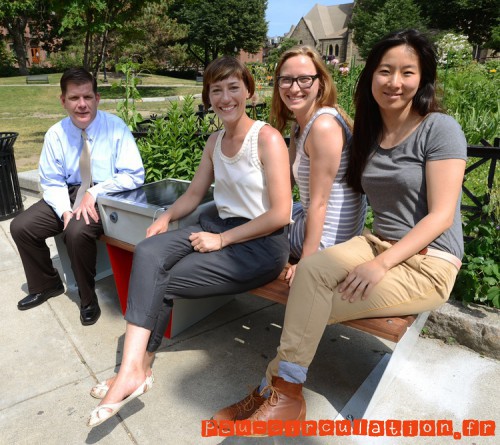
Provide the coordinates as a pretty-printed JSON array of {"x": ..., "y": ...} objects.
[{"x": 85, "y": 171}]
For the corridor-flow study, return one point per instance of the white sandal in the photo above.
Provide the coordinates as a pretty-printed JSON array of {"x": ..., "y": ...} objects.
[
  {"x": 100, "y": 390},
  {"x": 110, "y": 409}
]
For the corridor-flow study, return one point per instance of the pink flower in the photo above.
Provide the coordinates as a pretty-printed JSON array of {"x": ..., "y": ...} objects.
[{"x": 344, "y": 70}]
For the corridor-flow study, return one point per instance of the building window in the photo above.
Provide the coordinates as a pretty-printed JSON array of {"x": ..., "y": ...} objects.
[
  {"x": 336, "y": 50},
  {"x": 330, "y": 50}
]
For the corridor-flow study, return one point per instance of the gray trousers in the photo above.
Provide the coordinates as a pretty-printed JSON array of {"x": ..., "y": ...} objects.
[{"x": 166, "y": 267}]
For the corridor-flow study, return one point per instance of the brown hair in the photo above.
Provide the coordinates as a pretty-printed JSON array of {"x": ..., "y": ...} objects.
[
  {"x": 78, "y": 76},
  {"x": 221, "y": 69},
  {"x": 327, "y": 94}
]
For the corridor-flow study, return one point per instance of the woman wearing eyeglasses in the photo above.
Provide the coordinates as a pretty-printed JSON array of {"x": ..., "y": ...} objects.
[{"x": 329, "y": 211}]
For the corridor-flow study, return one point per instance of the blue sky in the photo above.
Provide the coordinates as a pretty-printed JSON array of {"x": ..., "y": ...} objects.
[{"x": 281, "y": 14}]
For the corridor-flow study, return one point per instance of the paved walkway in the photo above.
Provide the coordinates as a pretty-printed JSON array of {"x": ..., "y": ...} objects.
[{"x": 49, "y": 361}]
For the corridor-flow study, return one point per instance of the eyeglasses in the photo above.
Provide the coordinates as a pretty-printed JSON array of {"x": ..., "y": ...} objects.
[{"x": 302, "y": 81}]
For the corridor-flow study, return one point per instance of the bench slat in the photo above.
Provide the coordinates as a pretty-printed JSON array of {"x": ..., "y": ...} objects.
[
  {"x": 388, "y": 328},
  {"x": 117, "y": 243}
]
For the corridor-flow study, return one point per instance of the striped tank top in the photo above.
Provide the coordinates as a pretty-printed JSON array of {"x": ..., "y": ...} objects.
[{"x": 346, "y": 209}]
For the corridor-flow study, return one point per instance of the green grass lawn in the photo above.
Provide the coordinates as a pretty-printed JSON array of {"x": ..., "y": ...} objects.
[{"x": 31, "y": 109}]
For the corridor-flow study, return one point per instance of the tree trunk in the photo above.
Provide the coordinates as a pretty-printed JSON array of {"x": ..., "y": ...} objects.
[
  {"x": 87, "y": 55},
  {"x": 86, "y": 50},
  {"x": 196, "y": 56},
  {"x": 100, "y": 56},
  {"x": 16, "y": 30},
  {"x": 104, "y": 43}
]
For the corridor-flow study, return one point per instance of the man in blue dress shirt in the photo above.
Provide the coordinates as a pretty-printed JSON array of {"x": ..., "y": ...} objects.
[{"x": 116, "y": 165}]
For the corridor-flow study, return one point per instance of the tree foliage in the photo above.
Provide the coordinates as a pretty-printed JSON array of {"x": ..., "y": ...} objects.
[
  {"x": 373, "y": 19},
  {"x": 476, "y": 19},
  {"x": 94, "y": 20},
  {"x": 221, "y": 26},
  {"x": 494, "y": 42},
  {"x": 151, "y": 35},
  {"x": 274, "y": 54},
  {"x": 14, "y": 16}
]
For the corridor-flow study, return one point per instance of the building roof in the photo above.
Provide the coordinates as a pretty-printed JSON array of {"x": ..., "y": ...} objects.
[
  {"x": 326, "y": 22},
  {"x": 289, "y": 33}
]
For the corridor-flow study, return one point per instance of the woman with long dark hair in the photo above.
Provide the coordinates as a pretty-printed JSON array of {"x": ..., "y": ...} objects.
[{"x": 409, "y": 159}]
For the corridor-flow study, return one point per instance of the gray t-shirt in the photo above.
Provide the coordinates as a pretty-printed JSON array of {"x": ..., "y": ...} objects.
[{"x": 394, "y": 181}]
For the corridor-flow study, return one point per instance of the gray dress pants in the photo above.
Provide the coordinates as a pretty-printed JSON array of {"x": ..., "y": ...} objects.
[{"x": 166, "y": 267}]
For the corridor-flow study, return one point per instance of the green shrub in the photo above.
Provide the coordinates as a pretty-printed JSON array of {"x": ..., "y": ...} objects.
[
  {"x": 345, "y": 80},
  {"x": 470, "y": 95},
  {"x": 69, "y": 58},
  {"x": 453, "y": 50},
  {"x": 174, "y": 144},
  {"x": 128, "y": 85},
  {"x": 479, "y": 277},
  {"x": 7, "y": 61}
]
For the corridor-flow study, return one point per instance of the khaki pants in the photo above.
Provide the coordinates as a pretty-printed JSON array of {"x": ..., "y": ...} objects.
[{"x": 419, "y": 284}]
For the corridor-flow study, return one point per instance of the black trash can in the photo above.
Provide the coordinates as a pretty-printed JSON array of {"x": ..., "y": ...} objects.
[{"x": 11, "y": 202}]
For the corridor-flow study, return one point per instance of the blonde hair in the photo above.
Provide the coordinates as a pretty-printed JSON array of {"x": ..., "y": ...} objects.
[{"x": 327, "y": 94}]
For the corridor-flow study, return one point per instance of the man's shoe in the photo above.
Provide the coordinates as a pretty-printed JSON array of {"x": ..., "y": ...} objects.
[
  {"x": 286, "y": 402},
  {"x": 33, "y": 300},
  {"x": 90, "y": 314},
  {"x": 241, "y": 410}
]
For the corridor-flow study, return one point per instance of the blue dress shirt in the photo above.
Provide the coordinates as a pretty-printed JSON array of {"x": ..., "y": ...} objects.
[{"x": 115, "y": 158}]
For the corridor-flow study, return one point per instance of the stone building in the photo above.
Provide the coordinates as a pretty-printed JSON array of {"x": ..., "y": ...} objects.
[{"x": 325, "y": 28}]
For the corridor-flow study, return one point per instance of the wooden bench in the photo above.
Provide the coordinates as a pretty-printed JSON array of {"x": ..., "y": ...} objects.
[
  {"x": 403, "y": 331},
  {"x": 199, "y": 80},
  {"x": 391, "y": 328},
  {"x": 37, "y": 78},
  {"x": 388, "y": 328}
]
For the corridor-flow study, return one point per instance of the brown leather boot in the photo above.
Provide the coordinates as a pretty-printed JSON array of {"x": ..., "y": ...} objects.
[
  {"x": 241, "y": 410},
  {"x": 286, "y": 402}
]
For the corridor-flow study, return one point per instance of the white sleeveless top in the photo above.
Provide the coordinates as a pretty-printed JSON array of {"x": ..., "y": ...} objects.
[{"x": 240, "y": 188}]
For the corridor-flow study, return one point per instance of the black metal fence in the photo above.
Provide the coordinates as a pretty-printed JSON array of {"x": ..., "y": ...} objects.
[{"x": 484, "y": 154}]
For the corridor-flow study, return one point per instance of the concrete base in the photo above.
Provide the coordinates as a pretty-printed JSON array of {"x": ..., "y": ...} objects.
[
  {"x": 29, "y": 182},
  {"x": 103, "y": 266}
]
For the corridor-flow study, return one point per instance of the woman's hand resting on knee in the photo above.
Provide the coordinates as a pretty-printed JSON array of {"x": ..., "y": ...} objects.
[{"x": 206, "y": 242}]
